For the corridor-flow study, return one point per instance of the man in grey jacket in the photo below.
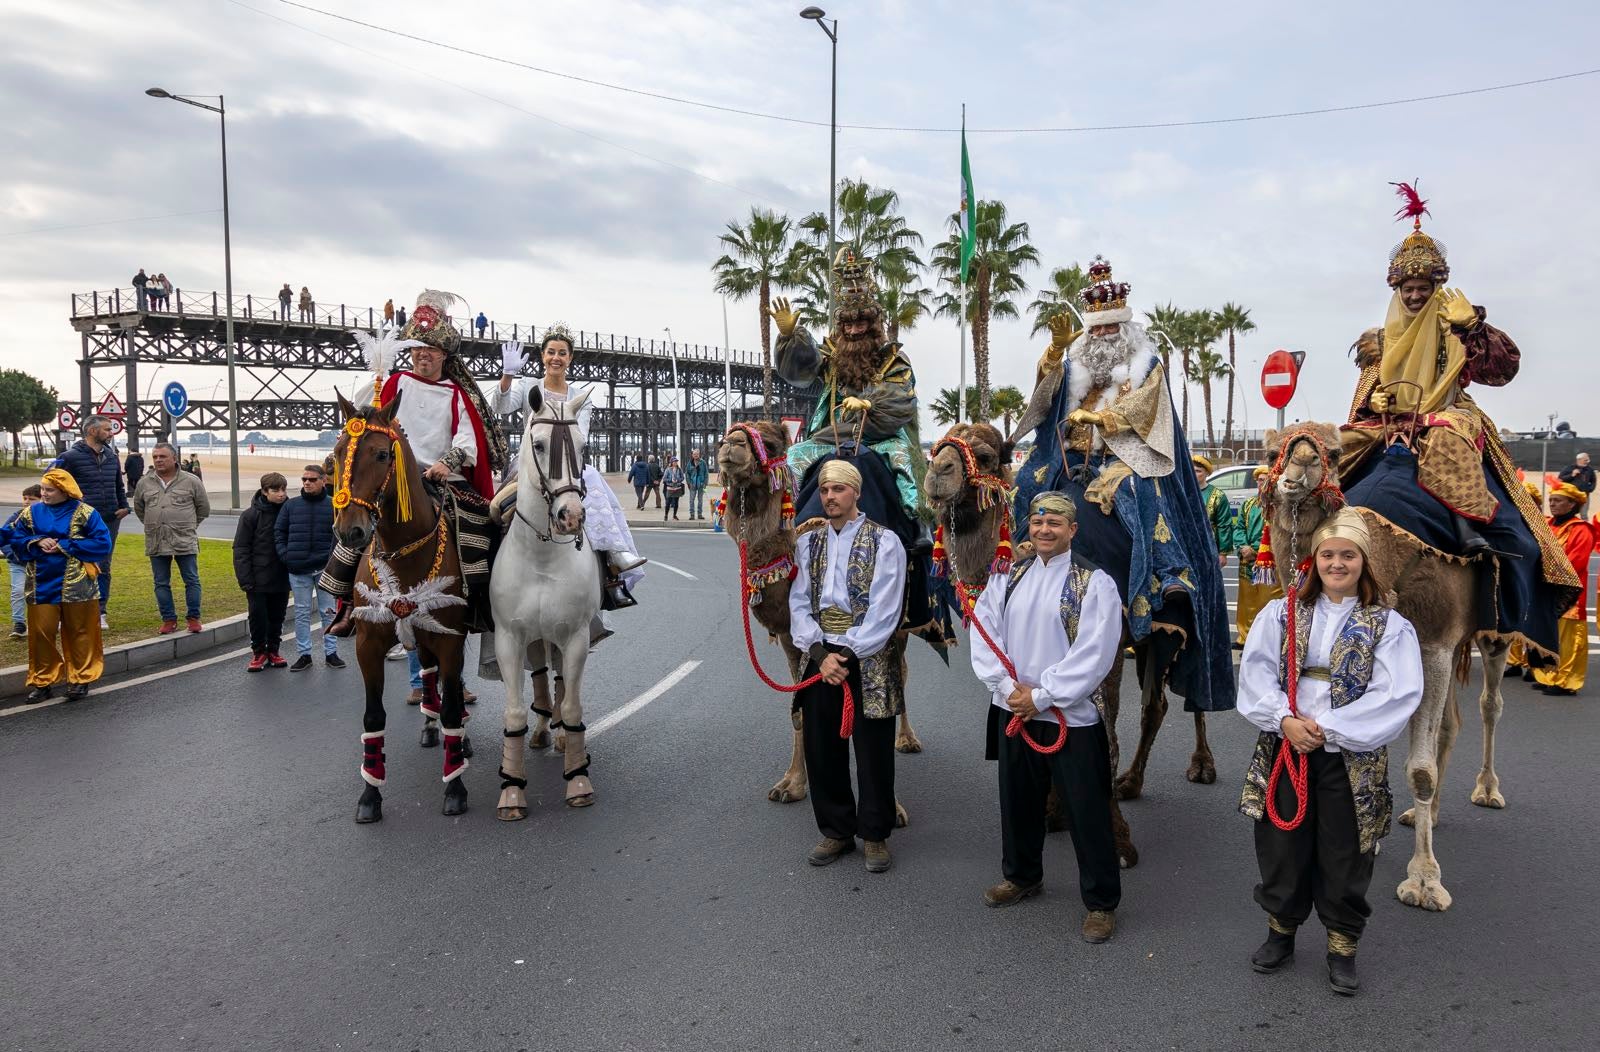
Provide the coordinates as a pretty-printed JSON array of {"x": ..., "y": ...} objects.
[{"x": 172, "y": 504}]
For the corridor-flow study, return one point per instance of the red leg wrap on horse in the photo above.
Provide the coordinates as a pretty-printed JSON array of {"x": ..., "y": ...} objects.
[
  {"x": 455, "y": 760},
  {"x": 430, "y": 693},
  {"x": 373, "y": 771}
]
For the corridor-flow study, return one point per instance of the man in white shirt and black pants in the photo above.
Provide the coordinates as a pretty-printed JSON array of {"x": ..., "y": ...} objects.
[
  {"x": 1059, "y": 624},
  {"x": 845, "y": 606}
]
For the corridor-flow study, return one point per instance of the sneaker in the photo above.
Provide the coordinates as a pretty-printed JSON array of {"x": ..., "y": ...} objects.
[
  {"x": 301, "y": 663},
  {"x": 334, "y": 661},
  {"x": 194, "y": 624},
  {"x": 104, "y": 624},
  {"x": 275, "y": 660},
  {"x": 877, "y": 856},
  {"x": 167, "y": 628},
  {"x": 257, "y": 663},
  {"x": 19, "y": 630},
  {"x": 396, "y": 653}
]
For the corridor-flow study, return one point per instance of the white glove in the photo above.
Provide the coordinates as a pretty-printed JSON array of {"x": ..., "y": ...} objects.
[{"x": 512, "y": 357}]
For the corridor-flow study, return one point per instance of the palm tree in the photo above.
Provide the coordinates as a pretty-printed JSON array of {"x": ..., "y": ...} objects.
[
  {"x": 1008, "y": 404},
  {"x": 1208, "y": 365},
  {"x": 905, "y": 301},
  {"x": 944, "y": 407},
  {"x": 1199, "y": 331},
  {"x": 995, "y": 279},
  {"x": 1167, "y": 320},
  {"x": 1233, "y": 319},
  {"x": 757, "y": 262},
  {"x": 1066, "y": 284}
]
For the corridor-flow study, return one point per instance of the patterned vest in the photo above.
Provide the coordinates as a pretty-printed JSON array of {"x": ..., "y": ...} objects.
[
  {"x": 883, "y": 693},
  {"x": 1349, "y": 671},
  {"x": 1071, "y": 609}
]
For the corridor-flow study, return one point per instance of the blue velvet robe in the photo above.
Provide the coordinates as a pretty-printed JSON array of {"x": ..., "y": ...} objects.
[{"x": 1143, "y": 558}]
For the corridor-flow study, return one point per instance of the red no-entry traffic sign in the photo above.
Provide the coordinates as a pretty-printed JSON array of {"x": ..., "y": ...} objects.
[{"x": 1279, "y": 375}]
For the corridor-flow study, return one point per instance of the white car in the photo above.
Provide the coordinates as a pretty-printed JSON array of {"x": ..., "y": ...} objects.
[{"x": 1236, "y": 482}]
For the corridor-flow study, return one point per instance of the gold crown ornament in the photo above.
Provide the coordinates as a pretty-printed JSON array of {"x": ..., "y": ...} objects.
[
  {"x": 1105, "y": 302},
  {"x": 854, "y": 288},
  {"x": 1418, "y": 256}
]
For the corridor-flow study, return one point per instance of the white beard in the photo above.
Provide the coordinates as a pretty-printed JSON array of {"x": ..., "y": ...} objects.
[{"x": 1105, "y": 364}]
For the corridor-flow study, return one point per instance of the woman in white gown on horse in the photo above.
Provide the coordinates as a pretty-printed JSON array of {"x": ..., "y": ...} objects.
[{"x": 604, "y": 524}]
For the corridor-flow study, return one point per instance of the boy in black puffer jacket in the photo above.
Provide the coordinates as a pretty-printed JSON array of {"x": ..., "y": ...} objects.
[{"x": 261, "y": 573}]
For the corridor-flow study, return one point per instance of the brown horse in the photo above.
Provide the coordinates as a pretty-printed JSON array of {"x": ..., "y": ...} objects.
[
  {"x": 379, "y": 502},
  {"x": 972, "y": 536}
]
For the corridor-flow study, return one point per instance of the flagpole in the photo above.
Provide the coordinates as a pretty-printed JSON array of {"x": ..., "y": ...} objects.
[{"x": 961, "y": 387}]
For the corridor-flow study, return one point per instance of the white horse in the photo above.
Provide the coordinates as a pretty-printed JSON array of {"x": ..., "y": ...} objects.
[{"x": 544, "y": 592}]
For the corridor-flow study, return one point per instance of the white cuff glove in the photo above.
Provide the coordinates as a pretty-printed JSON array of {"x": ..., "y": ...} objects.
[{"x": 512, "y": 358}]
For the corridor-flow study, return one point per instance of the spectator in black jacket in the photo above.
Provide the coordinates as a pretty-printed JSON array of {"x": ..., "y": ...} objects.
[
  {"x": 93, "y": 465},
  {"x": 1580, "y": 474},
  {"x": 261, "y": 573},
  {"x": 304, "y": 538},
  {"x": 133, "y": 468}
]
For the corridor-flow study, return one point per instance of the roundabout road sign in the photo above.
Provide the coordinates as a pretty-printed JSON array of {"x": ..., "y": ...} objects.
[{"x": 175, "y": 399}]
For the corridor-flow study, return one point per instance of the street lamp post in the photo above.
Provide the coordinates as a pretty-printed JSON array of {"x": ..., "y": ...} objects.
[
  {"x": 816, "y": 14},
  {"x": 727, "y": 372},
  {"x": 677, "y": 397},
  {"x": 221, "y": 111}
]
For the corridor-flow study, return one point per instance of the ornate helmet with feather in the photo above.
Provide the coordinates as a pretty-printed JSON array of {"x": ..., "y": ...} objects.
[
  {"x": 1418, "y": 256},
  {"x": 430, "y": 323},
  {"x": 855, "y": 291}
]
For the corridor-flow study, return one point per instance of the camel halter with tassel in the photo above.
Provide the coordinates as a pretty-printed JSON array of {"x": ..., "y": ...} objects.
[
  {"x": 991, "y": 489},
  {"x": 1332, "y": 498}
]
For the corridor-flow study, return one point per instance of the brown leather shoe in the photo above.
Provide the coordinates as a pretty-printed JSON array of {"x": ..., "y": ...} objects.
[
  {"x": 829, "y": 850},
  {"x": 877, "y": 856},
  {"x": 1009, "y": 893},
  {"x": 1098, "y": 925},
  {"x": 415, "y": 697}
]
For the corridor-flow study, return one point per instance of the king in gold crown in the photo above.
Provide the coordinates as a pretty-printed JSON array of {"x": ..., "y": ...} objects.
[{"x": 1105, "y": 302}]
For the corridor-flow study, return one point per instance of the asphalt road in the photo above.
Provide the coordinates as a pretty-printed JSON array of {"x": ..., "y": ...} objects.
[{"x": 181, "y": 871}]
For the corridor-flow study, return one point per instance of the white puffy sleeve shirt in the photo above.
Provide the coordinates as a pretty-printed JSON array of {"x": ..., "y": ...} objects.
[
  {"x": 1373, "y": 720},
  {"x": 1028, "y": 630},
  {"x": 885, "y": 596},
  {"x": 433, "y": 420}
]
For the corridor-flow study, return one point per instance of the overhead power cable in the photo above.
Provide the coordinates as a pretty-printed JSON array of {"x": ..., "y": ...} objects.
[
  {"x": 1046, "y": 130},
  {"x": 106, "y": 222}
]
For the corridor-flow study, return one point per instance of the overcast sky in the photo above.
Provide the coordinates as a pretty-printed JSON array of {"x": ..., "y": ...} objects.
[{"x": 367, "y": 166}]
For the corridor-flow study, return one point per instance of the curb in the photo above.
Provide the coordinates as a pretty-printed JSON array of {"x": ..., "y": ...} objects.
[{"x": 144, "y": 653}]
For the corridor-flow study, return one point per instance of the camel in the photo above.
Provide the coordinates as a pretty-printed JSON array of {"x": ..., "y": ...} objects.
[
  {"x": 1436, "y": 592},
  {"x": 753, "y": 514},
  {"x": 972, "y": 535}
]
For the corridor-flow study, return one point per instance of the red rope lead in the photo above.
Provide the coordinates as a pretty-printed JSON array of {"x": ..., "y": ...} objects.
[
  {"x": 847, "y": 719},
  {"x": 1018, "y": 725},
  {"x": 1287, "y": 759}
]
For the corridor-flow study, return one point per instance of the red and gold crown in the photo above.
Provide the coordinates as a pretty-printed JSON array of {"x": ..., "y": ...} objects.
[
  {"x": 1105, "y": 302},
  {"x": 1418, "y": 256}
]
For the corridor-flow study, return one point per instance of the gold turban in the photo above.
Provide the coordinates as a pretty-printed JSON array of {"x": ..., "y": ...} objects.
[
  {"x": 1569, "y": 491},
  {"x": 1261, "y": 471},
  {"x": 1203, "y": 463},
  {"x": 1534, "y": 491},
  {"x": 1053, "y": 502},
  {"x": 1346, "y": 524},
  {"x": 61, "y": 480},
  {"x": 841, "y": 471}
]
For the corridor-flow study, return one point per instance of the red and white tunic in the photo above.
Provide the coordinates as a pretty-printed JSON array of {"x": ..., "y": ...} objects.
[{"x": 438, "y": 418}]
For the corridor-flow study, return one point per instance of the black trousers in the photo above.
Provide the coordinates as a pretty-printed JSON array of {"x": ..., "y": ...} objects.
[
  {"x": 266, "y": 610},
  {"x": 828, "y": 762},
  {"x": 1320, "y": 863},
  {"x": 1082, "y": 773}
]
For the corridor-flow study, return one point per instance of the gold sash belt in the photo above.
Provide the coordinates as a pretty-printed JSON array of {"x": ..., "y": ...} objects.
[
  {"x": 836, "y": 622},
  {"x": 1317, "y": 672}
]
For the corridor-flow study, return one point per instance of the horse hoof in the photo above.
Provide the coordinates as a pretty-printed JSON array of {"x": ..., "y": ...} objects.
[
  {"x": 511, "y": 814},
  {"x": 369, "y": 811},
  {"x": 466, "y": 746},
  {"x": 455, "y": 798},
  {"x": 902, "y": 817},
  {"x": 1130, "y": 788},
  {"x": 1201, "y": 771},
  {"x": 1424, "y": 894},
  {"x": 580, "y": 793},
  {"x": 539, "y": 740},
  {"x": 430, "y": 736},
  {"x": 908, "y": 743},
  {"x": 1488, "y": 798}
]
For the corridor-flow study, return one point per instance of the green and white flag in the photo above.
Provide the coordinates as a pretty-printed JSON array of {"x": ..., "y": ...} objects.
[{"x": 969, "y": 206}]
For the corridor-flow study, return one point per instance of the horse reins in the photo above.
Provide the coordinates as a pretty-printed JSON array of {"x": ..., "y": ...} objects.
[{"x": 564, "y": 465}]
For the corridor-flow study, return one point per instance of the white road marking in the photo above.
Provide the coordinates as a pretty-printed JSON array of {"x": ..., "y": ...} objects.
[
  {"x": 97, "y": 690},
  {"x": 669, "y": 567},
  {"x": 673, "y": 678}
]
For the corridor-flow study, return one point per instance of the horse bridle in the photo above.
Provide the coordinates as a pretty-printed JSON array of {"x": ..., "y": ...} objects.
[
  {"x": 356, "y": 427},
  {"x": 566, "y": 468}
]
